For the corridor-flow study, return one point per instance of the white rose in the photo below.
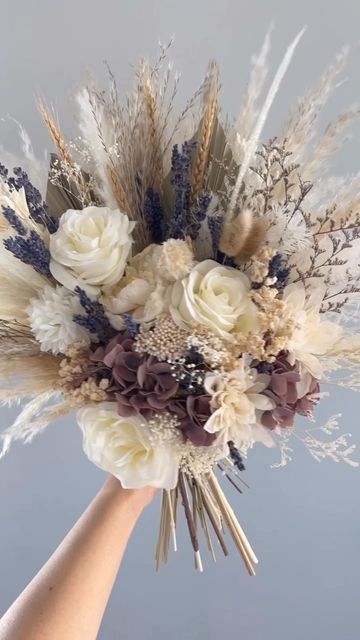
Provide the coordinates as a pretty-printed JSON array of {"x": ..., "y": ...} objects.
[
  {"x": 215, "y": 296},
  {"x": 122, "y": 447},
  {"x": 90, "y": 248}
]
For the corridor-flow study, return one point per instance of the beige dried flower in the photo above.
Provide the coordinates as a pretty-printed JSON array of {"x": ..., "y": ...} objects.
[{"x": 175, "y": 260}]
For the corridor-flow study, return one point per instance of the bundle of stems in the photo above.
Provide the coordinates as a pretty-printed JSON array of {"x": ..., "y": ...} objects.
[{"x": 207, "y": 509}]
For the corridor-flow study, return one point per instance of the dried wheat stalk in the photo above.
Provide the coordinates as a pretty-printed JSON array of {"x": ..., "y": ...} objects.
[
  {"x": 118, "y": 191},
  {"x": 64, "y": 153},
  {"x": 203, "y": 154}
]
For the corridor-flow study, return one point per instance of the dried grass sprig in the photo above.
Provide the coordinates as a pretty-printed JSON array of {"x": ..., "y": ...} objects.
[
  {"x": 206, "y": 130},
  {"x": 254, "y": 139},
  {"x": 64, "y": 153}
]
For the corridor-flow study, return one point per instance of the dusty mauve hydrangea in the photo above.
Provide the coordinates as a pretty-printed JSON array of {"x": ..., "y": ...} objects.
[
  {"x": 193, "y": 412},
  {"x": 283, "y": 390},
  {"x": 140, "y": 383}
]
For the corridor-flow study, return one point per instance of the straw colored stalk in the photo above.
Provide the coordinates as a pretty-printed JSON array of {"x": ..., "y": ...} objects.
[
  {"x": 206, "y": 134},
  {"x": 167, "y": 526},
  {"x": 205, "y": 511},
  {"x": 33, "y": 373},
  {"x": 64, "y": 152},
  {"x": 156, "y": 151},
  {"x": 118, "y": 191},
  {"x": 19, "y": 278},
  {"x": 233, "y": 525}
]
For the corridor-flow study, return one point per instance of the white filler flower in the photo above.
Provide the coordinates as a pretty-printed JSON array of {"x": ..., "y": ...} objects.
[
  {"x": 51, "y": 319},
  {"x": 90, "y": 248},
  {"x": 123, "y": 447}
]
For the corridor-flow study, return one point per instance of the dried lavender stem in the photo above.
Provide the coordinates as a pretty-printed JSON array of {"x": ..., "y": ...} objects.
[{"x": 190, "y": 521}]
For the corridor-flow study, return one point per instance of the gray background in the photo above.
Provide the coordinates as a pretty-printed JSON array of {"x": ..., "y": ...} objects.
[{"x": 303, "y": 520}]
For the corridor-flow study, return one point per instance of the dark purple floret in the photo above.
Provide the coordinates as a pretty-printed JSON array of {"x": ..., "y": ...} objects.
[
  {"x": 181, "y": 181},
  {"x": 198, "y": 214},
  {"x": 30, "y": 250},
  {"x": 37, "y": 207},
  {"x": 235, "y": 456},
  {"x": 279, "y": 270},
  {"x": 14, "y": 220},
  {"x": 154, "y": 216},
  {"x": 94, "y": 319},
  {"x": 131, "y": 326}
]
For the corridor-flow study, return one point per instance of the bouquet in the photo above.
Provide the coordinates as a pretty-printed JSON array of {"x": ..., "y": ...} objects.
[{"x": 186, "y": 288}]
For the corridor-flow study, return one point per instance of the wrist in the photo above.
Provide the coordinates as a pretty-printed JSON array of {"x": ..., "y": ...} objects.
[{"x": 137, "y": 499}]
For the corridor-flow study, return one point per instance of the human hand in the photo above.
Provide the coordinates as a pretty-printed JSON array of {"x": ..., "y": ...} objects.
[{"x": 139, "y": 498}]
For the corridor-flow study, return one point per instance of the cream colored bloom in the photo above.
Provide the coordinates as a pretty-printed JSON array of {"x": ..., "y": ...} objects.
[
  {"x": 174, "y": 260},
  {"x": 236, "y": 399},
  {"x": 143, "y": 292},
  {"x": 214, "y": 296},
  {"x": 51, "y": 319},
  {"x": 91, "y": 248},
  {"x": 312, "y": 337},
  {"x": 122, "y": 446}
]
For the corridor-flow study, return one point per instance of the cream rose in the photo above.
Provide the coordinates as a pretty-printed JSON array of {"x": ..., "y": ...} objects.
[
  {"x": 215, "y": 296},
  {"x": 90, "y": 248},
  {"x": 122, "y": 446}
]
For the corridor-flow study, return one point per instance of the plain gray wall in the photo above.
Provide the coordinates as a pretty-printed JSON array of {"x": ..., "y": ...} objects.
[{"x": 303, "y": 520}]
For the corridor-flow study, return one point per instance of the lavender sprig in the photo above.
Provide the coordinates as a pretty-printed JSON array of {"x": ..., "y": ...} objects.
[
  {"x": 37, "y": 208},
  {"x": 154, "y": 216},
  {"x": 180, "y": 179},
  {"x": 94, "y": 319},
  {"x": 14, "y": 220},
  {"x": 30, "y": 250},
  {"x": 236, "y": 456},
  {"x": 131, "y": 326},
  {"x": 198, "y": 214},
  {"x": 279, "y": 270}
]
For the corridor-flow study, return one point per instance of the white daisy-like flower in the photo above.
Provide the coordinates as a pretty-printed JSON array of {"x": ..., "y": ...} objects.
[
  {"x": 237, "y": 399},
  {"x": 313, "y": 337},
  {"x": 51, "y": 319}
]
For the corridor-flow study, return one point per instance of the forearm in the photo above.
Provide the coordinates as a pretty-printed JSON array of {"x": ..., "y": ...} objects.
[{"x": 68, "y": 597}]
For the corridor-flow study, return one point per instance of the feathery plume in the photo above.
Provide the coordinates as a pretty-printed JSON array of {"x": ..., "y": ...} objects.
[{"x": 254, "y": 139}]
